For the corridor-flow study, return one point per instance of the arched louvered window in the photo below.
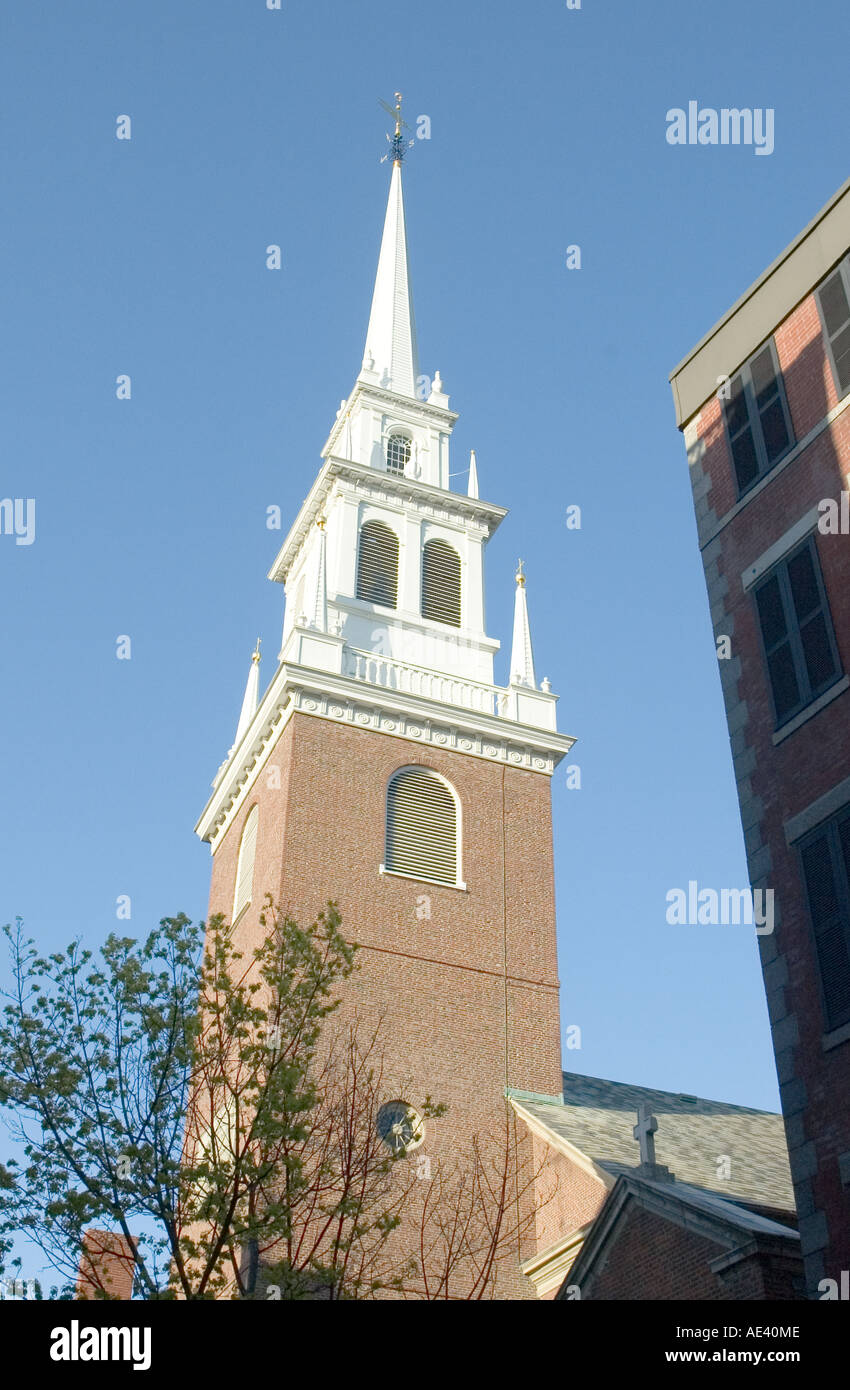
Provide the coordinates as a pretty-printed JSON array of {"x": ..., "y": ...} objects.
[
  {"x": 441, "y": 583},
  {"x": 398, "y": 453},
  {"x": 245, "y": 864},
  {"x": 377, "y": 564},
  {"x": 422, "y": 826}
]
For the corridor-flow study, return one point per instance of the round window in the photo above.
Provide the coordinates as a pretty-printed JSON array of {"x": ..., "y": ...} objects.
[{"x": 400, "y": 1127}]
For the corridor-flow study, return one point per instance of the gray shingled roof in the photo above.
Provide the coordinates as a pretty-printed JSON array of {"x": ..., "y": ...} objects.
[{"x": 598, "y": 1117}]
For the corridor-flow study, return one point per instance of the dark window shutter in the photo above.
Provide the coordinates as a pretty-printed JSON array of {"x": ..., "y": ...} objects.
[
  {"x": 796, "y": 630},
  {"x": 783, "y": 679},
  {"x": 769, "y": 404},
  {"x": 777, "y": 645},
  {"x": 377, "y": 564},
  {"x": 441, "y": 583},
  {"x": 757, "y": 420},
  {"x": 814, "y": 634},
  {"x": 835, "y": 309},
  {"x": 771, "y": 613},
  {"x": 745, "y": 459},
  {"x": 827, "y": 895},
  {"x": 741, "y": 440}
]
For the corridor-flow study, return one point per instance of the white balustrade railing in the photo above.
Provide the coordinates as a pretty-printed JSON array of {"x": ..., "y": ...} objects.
[{"x": 386, "y": 671}]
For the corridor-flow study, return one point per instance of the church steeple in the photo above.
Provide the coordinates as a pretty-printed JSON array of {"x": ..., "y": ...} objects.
[
  {"x": 383, "y": 567},
  {"x": 391, "y": 351},
  {"x": 384, "y": 768}
]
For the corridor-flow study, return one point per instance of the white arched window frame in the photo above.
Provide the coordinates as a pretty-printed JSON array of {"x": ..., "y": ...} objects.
[
  {"x": 405, "y": 822},
  {"x": 245, "y": 865},
  {"x": 398, "y": 451}
]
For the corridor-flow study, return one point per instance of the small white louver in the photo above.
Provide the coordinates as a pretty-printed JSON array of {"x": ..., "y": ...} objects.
[
  {"x": 422, "y": 837},
  {"x": 441, "y": 583},
  {"x": 377, "y": 564},
  {"x": 245, "y": 865}
]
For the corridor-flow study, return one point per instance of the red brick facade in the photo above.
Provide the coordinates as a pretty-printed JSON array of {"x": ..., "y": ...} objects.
[
  {"x": 107, "y": 1263},
  {"x": 651, "y": 1258},
  {"x": 464, "y": 980},
  {"x": 783, "y": 775}
]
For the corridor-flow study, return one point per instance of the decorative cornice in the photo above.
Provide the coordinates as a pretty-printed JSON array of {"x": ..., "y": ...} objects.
[
  {"x": 303, "y": 690},
  {"x": 441, "y": 415},
  {"x": 379, "y": 484},
  {"x": 548, "y": 1269}
]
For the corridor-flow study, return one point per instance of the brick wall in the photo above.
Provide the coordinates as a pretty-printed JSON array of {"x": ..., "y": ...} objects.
[
  {"x": 107, "y": 1263},
  {"x": 652, "y": 1258},
  {"x": 655, "y": 1259},
  {"x": 464, "y": 982},
  {"x": 778, "y": 781}
]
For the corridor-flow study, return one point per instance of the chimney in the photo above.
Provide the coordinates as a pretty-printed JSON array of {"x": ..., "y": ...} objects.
[{"x": 107, "y": 1260}]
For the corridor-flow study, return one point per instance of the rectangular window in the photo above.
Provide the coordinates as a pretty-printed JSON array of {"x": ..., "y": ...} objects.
[
  {"x": 758, "y": 422},
  {"x": 825, "y": 864},
  {"x": 796, "y": 631},
  {"x": 833, "y": 299}
]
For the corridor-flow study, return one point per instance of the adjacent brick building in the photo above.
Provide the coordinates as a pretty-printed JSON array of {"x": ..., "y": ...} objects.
[
  {"x": 666, "y": 1241},
  {"x": 764, "y": 404},
  {"x": 726, "y": 1175}
]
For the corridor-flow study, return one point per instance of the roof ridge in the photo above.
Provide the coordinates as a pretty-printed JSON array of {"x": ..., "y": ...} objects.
[{"x": 670, "y": 1095}]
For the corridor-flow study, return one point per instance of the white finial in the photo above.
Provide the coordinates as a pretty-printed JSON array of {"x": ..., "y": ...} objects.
[
  {"x": 522, "y": 659},
  {"x": 319, "y": 612},
  {"x": 472, "y": 490},
  {"x": 437, "y": 383},
  {"x": 250, "y": 699}
]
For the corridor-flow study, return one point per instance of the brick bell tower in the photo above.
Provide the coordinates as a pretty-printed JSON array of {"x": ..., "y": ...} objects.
[{"x": 383, "y": 768}]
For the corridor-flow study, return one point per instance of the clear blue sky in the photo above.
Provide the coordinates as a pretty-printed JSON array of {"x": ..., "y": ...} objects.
[{"x": 147, "y": 257}]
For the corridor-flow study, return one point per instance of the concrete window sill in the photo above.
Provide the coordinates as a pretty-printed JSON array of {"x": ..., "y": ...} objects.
[{"x": 811, "y": 710}]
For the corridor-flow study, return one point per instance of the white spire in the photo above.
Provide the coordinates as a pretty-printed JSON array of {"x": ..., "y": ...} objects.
[
  {"x": 319, "y": 607},
  {"x": 472, "y": 490},
  {"x": 391, "y": 337},
  {"x": 522, "y": 659},
  {"x": 251, "y": 700}
]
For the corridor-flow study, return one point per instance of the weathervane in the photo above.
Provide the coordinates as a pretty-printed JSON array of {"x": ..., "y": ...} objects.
[{"x": 397, "y": 145}]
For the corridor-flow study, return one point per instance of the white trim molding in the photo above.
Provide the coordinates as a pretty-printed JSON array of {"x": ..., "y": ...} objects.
[
  {"x": 341, "y": 699},
  {"x": 775, "y": 552}
]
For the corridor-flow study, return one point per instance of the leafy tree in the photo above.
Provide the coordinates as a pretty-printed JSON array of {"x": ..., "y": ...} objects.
[{"x": 202, "y": 1105}]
